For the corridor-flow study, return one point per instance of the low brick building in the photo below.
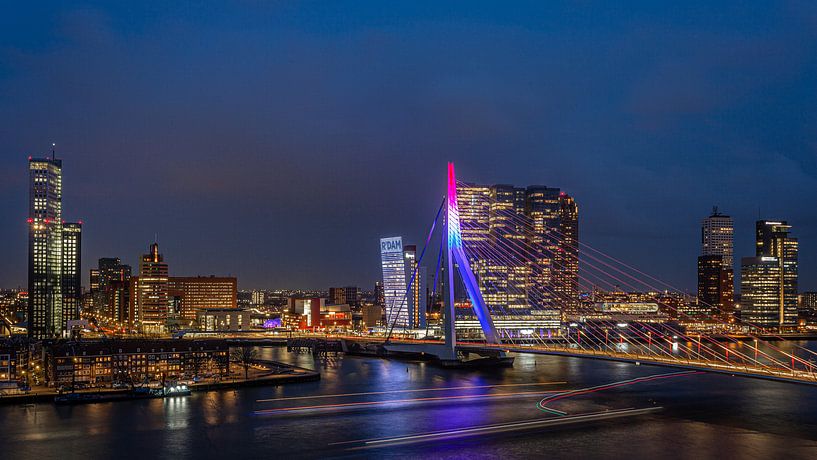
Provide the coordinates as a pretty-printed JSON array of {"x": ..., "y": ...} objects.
[{"x": 137, "y": 361}]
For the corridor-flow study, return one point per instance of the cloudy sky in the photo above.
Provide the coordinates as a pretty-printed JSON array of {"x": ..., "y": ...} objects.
[{"x": 277, "y": 141}]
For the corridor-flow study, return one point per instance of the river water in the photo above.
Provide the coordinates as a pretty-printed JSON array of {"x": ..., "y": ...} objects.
[{"x": 702, "y": 416}]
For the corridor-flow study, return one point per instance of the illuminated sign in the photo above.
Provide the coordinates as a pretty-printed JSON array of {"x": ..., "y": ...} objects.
[{"x": 389, "y": 245}]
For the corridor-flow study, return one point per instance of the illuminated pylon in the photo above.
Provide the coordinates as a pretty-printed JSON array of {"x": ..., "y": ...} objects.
[{"x": 455, "y": 254}]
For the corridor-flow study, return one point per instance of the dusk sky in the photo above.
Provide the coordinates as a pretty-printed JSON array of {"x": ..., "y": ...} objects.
[{"x": 277, "y": 141}]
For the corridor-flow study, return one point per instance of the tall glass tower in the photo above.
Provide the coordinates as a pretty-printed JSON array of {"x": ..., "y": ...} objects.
[
  {"x": 45, "y": 262},
  {"x": 394, "y": 282}
]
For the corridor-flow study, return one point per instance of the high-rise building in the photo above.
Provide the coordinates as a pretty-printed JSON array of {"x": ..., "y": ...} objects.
[
  {"x": 418, "y": 297},
  {"x": 566, "y": 258},
  {"x": 71, "y": 271},
  {"x": 394, "y": 282},
  {"x": 149, "y": 293},
  {"x": 773, "y": 240},
  {"x": 769, "y": 281},
  {"x": 523, "y": 245},
  {"x": 760, "y": 292},
  {"x": 717, "y": 236},
  {"x": 715, "y": 286},
  {"x": 111, "y": 292},
  {"x": 94, "y": 280},
  {"x": 716, "y": 279},
  {"x": 46, "y": 316}
]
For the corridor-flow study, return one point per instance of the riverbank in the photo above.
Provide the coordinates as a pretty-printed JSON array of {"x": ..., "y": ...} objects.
[{"x": 294, "y": 374}]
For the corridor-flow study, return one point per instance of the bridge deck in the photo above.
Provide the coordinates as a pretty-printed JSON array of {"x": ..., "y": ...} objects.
[{"x": 736, "y": 369}]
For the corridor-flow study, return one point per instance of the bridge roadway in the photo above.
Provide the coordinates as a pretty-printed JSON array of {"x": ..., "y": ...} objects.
[
  {"x": 780, "y": 374},
  {"x": 737, "y": 369}
]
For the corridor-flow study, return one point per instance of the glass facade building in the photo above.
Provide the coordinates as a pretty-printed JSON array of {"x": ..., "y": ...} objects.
[
  {"x": 394, "y": 282},
  {"x": 45, "y": 283}
]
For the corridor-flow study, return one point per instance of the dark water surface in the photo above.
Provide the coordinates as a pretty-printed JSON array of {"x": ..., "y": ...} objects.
[{"x": 704, "y": 416}]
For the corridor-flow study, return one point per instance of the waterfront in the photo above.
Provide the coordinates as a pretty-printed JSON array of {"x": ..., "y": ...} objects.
[{"x": 704, "y": 416}]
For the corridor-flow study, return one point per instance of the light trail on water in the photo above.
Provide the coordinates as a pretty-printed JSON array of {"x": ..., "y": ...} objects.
[
  {"x": 582, "y": 391},
  {"x": 415, "y": 390},
  {"x": 323, "y": 407}
]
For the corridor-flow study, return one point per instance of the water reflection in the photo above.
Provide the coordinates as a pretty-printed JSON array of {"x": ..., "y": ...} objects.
[{"x": 704, "y": 415}]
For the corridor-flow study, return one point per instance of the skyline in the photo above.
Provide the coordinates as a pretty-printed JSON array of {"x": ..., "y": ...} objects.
[{"x": 240, "y": 174}]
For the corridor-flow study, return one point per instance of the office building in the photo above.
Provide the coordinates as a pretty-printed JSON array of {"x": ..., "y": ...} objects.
[
  {"x": 760, "y": 292},
  {"x": 523, "y": 248},
  {"x": 417, "y": 300},
  {"x": 715, "y": 286},
  {"x": 566, "y": 258},
  {"x": 394, "y": 282},
  {"x": 349, "y": 295},
  {"x": 110, "y": 290},
  {"x": 71, "y": 271},
  {"x": 149, "y": 293},
  {"x": 768, "y": 282},
  {"x": 717, "y": 236},
  {"x": 198, "y": 293},
  {"x": 46, "y": 315},
  {"x": 716, "y": 278}
]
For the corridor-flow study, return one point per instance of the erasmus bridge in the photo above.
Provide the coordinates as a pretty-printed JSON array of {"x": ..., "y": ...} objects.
[{"x": 461, "y": 260}]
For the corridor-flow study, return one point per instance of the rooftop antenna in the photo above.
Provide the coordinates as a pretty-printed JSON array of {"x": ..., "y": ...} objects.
[
  {"x": 715, "y": 211},
  {"x": 53, "y": 151}
]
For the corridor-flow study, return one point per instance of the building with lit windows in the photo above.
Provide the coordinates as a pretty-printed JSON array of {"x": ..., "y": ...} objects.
[
  {"x": 46, "y": 315},
  {"x": 566, "y": 257},
  {"x": 349, "y": 295},
  {"x": 717, "y": 237},
  {"x": 760, "y": 292},
  {"x": 71, "y": 270},
  {"x": 773, "y": 246},
  {"x": 100, "y": 363},
  {"x": 394, "y": 282},
  {"x": 418, "y": 297},
  {"x": 716, "y": 279},
  {"x": 537, "y": 229},
  {"x": 197, "y": 293},
  {"x": 313, "y": 314},
  {"x": 715, "y": 286},
  {"x": 149, "y": 297}
]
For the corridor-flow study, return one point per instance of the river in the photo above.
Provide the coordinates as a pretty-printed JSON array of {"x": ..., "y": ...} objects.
[{"x": 701, "y": 416}]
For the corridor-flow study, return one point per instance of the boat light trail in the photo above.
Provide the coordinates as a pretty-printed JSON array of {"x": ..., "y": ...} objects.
[
  {"x": 320, "y": 407},
  {"x": 416, "y": 390},
  {"x": 582, "y": 391}
]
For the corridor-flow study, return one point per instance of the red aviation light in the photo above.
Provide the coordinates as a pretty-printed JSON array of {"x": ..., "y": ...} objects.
[{"x": 30, "y": 220}]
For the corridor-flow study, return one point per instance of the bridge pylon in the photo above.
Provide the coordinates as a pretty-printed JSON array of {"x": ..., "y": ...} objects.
[{"x": 455, "y": 258}]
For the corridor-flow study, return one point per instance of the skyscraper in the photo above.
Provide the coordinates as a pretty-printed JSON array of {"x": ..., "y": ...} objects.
[
  {"x": 149, "y": 293},
  {"x": 523, "y": 244},
  {"x": 566, "y": 258},
  {"x": 394, "y": 282},
  {"x": 773, "y": 240},
  {"x": 717, "y": 235},
  {"x": 418, "y": 298},
  {"x": 760, "y": 292},
  {"x": 45, "y": 263},
  {"x": 715, "y": 272},
  {"x": 715, "y": 286},
  {"x": 71, "y": 271}
]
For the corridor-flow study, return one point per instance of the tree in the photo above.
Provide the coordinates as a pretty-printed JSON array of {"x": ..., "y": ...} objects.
[{"x": 244, "y": 355}]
